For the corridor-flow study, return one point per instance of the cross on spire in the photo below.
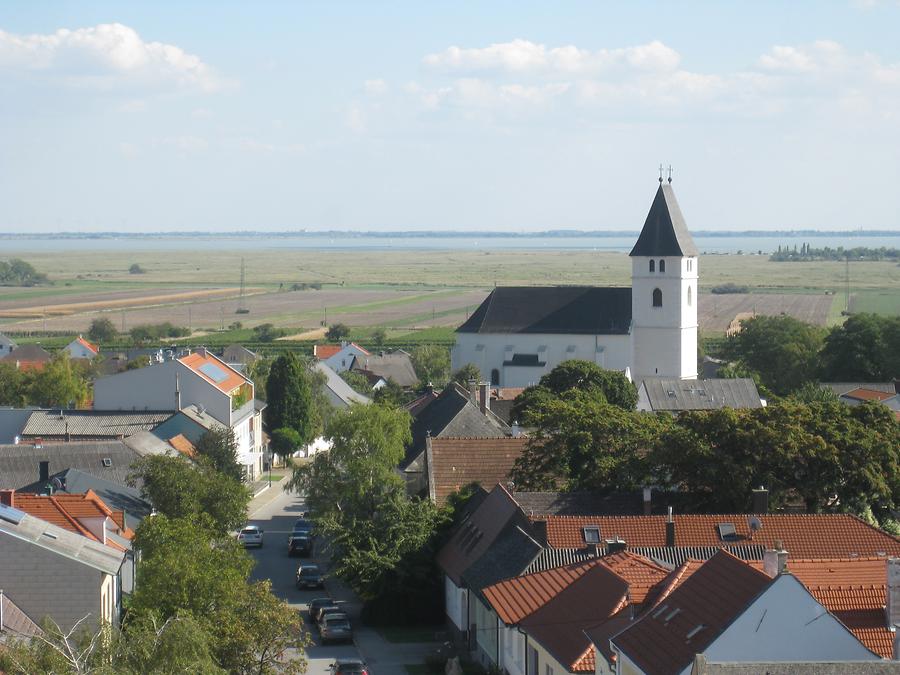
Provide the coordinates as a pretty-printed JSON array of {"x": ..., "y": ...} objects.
[
  {"x": 660, "y": 173},
  {"x": 670, "y": 173}
]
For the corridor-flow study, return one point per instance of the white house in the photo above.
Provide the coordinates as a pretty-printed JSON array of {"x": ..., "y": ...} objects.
[
  {"x": 339, "y": 357},
  {"x": 650, "y": 329},
  {"x": 79, "y": 348},
  {"x": 198, "y": 384}
]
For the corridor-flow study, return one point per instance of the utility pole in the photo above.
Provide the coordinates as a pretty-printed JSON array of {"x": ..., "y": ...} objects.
[{"x": 847, "y": 282}]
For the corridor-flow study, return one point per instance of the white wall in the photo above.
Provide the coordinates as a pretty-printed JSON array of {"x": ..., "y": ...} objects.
[
  {"x": 456, "y": 604},
  {"x": 77, "y": 350},
  {"x": 489, "y": 351},
  {"x": 512, "y": 650}
]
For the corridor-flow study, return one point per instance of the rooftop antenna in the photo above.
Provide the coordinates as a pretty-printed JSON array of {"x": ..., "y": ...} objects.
[
  {"x": 847, "y": 283},
  {"x": 241, "y": 309}
]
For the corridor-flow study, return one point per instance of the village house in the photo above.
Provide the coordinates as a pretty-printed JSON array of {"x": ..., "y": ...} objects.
[
  {"x": 79, "y": 348},
  {"x": 28, "y": 357},
  {"x": 395, "y": 366},
  {"x": 339, "y": 357}
]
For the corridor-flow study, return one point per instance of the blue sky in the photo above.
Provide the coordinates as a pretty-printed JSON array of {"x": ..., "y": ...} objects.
[{"x": 512, "y": 116}]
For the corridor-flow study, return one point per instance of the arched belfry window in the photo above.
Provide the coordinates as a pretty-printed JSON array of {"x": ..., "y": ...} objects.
[
  {"x": 690, "y": 298},
  {"x": 662, "y": 265},
  {"x": 657, "y": 297},
  {"x": 652, "y": 265},
  {"x": 495, "y": 374}
]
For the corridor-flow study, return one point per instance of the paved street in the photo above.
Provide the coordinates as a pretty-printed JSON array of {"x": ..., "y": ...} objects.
[{"x": 275, "y": 511}]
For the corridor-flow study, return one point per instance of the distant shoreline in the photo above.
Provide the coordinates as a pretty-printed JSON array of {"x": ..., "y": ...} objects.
[{"x": 435, "y": 234}]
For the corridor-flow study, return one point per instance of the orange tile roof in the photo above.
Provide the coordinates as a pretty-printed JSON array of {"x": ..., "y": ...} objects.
[
  {"x": 197, "y": 360},
  {"x": 855, "y": 591},
  {"x": 816, "y": 535},
  {"x": 183, "y": 446},
  {"x": 456, "y": 462},
  {"x": 325, "y": 351},
  {"x": 677, "y": 577},
  {"x": 67, "y": 510},
  {"x": 87, "y": 345},
  {"x": 863, "y": 394},
  {"x": 718, "y": 592}
]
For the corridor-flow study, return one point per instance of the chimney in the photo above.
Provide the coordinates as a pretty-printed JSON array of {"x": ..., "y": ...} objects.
[
  {"x": 484, "y": 397},
  {"x": 615, "y": 545},
  {"x": 8, "y": 497},
  {"x": 670, "y": 528},
  {"x": 760, "y": 500},
  {"x": 648, "y": 493},
  {"x": 775, "y": 560},
  {"x": 473, "y": 391},
  {"x": 516, "y": 430},
  {"x": 44, "y": 470},
  {"x": 892, "y": 602},
  {"x": 177, "y": 392}
]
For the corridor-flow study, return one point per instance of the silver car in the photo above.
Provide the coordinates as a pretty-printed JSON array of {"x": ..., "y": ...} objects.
[
  {"x": 335, "y": 628},
  {"x": 251, "y": 535}
]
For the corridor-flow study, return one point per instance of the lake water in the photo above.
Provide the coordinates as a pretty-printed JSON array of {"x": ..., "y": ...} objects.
[{"x": 311, "y": 241}]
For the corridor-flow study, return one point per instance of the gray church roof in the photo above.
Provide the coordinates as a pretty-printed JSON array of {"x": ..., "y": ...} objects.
[
  {"x": 673, "y": 395},
  {"x": 665, "y": 233},
  {"x": 574, "y": 310}
]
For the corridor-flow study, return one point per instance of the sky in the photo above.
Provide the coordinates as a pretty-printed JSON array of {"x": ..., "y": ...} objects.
[{"x": 439, "y": 115}]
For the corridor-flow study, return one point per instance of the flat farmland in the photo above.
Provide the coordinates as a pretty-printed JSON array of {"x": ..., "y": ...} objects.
[{"x": 717, "y": 311}]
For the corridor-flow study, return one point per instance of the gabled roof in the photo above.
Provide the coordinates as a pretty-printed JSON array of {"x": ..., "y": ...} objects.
[
  {"x": 16, "y": 623},
  {"x": 215, "y": 371},
  {"x": 476, "y": 534},
  {"x": 579, "y": 503},
  {"x": 339, "y": 386},
  {"x": 665, "y": 233},
  {"x": 812, "y": 535},
  {"x": 238, "y": 354},
  {"x": 117, "y": 497},
  {"x": 575, "y": 310},
  {"x": 675, "y": 395},
  {"x": 667, "y": 556},
  {"x": 28, "y": 357},
  {"x": 68, "y": 511},
  {"x": 455, "y": 462},
  {"x": 840, "y": 388},
  {"x": 326, "y": 351},
  {"x": 395, "y": 366},
  {"x": 663, "y": 640},
  {"x": 509, "y": 556},
  {"x": 20, "y": 464},
  {"x": 92, "y": 424},
  {"x": 183, "y": 446},
  {"x": 863, "y": 394},
  {"x": 84, "y": 343}
]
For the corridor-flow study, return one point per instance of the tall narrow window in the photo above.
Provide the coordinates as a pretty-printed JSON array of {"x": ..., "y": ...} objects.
[
  {"x": 652, "y": 265},
  {"x": 662, "y": 266},
  {"x": 690, "y": 299},
  {"x": 495, "y": 374},
  {"x": 657, "y": 297}
]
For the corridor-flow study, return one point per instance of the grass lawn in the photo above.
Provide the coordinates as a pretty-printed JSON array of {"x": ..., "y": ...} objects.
[
  {"x": 876, "y": 301},
  {"x": 410, "y": 633}
]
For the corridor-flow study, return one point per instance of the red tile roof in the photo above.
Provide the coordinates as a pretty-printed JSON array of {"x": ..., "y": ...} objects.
[
  {"x": 326, "y": 351},
  {"x": 455, "y": 462},
  {"x": 862, "y": 394},
  {"x": 183, "y": 446},
  {"x": 712, "y": 597},
  {"x": 87, "y": 345},
  {"x": 68, "y": 510},
  {"x": 197, "y": 360},
  {"x": 855, "y": 591},
  {"x": 817, "y": 535}
]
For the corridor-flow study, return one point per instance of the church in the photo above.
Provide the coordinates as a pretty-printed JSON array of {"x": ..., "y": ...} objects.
[{"x": 520, "y": 333}]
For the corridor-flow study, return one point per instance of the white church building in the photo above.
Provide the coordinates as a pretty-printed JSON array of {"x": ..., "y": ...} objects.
[{"x": 520, "y": 333}]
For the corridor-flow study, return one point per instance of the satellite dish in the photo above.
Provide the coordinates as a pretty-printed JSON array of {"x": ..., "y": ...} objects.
[
  {"x": 57, "y": 484},
  {"x": 754, "y": 523}
]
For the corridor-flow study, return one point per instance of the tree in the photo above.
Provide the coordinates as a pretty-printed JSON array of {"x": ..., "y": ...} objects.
[
  {"x": 812, "y": 392},
  {"x": 581, "y": 442},
  {"x": 266, "y": 332},
  {"x": 285, "y": 441},
  {"x": 378, "y": 337},
  {"x": 136, "y": 269},
  {"x": 290, "y": 398},
  {"x": 13, "y": 386},
  {"x": 218, "y": 445},
  {"x": 357, "y": 381},
  {"x": 467, "y": 373},
  {"x": 258, "y": 371},
  {"x": 337, "y": 332},
  {"x": 576, "y": 375},
  {"x": 179, "y": 489},
  {"x": 59, "y": 384},
  {"x": 102, "y": 330},
  {"x": 391, "y": 394},
  {"x": 17, "y": 272},
  {"x": 783, "y": 350},
  {"x": 866, "y": 348},
  {"x": 432, "y": 364}
]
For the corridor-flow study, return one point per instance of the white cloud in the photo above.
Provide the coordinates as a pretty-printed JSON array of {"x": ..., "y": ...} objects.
[
  {"x": 355, "y": 119},
  {"x": 133, "y": 106},
  {"x": 105, "y": 56},
  {"x": 524, "y": 56},
  {"x": 376, "y": 87}
]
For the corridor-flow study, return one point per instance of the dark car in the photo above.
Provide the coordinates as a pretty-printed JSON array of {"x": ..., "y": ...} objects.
[
  {"x": 303, "y": 525},
  {"x": 309, "y": 576},
  {"x": 351, "y": 666},
  {"x": 335, "y": 627},
  {"x": 300, "y": 544},
  {"x": 316, "y": 605}
]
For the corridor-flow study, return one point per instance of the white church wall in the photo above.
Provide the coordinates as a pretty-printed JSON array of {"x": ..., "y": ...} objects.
[{"x": 490, "y": 351}]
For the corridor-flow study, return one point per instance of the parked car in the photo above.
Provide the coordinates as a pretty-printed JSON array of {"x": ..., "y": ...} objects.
[
  {"x": 335, "y": 628},
  {"x": 328, "y": 610},
  {"x": 251, "y": 535},
  {"x": 309, "y": 576},
  {"x": 300, "y": 544},
  {"x": 303, "y": 526},
  {"x": 351, "y": 666},
  {"x": 316, "y": 605}
]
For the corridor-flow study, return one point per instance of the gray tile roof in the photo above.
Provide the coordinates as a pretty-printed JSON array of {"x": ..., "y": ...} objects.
[
  {"x": 703, "y": 667},
  {"x": 664, "y": 233},
  {"x": 28, "y": 353},
  {"x": 339, "y": 386},
  {"x": 509, "y": 556},
  {"x": 580, "y": 503},
  {"x": 395, "y": 366},
  {"x": 16, "y": 623},
  {"x": 76, "y": 547},
  {"x": 19, "y": 464},
  {"x": 665, "y": 394},
  {"x": 93, "y": 424},
  {"x": 572, "y": 310}
]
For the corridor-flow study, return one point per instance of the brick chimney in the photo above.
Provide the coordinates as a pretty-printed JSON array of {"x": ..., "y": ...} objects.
[
  {"x": 760, "y": 500},
  {"x": 8, "y": 497},
  {"x": 670, "y": 528},
  {"x": 484, "y": 397},
  {"x": 775, "y": 560},
  {"x": 44, "y": 470},
  {"x": 892, "y": 601}
]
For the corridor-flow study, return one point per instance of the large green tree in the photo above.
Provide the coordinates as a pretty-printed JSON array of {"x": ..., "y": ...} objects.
[
  {"x": 783, "y": 350},
  {"x": 219, "y": 446},
  {"x": 291, "y": 398},
  {"x": 575, "y": 375},
  {"x": 102, "y": 329},
  {"x": 432, "y": 364},
  {"x": 59, "y": 384},
  {"x": 866, "y": 348}
]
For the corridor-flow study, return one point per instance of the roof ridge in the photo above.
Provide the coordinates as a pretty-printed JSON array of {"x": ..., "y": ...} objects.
[{"x": 78, "y": 526}]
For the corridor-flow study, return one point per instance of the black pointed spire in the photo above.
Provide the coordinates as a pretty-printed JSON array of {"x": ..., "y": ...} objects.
[{"x": 665, "y": 233}]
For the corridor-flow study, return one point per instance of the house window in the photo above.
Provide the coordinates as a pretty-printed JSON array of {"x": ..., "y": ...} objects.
[
  {"x": 690, "y": 299},
  {"x": 495, "y": 377},
  {"x": 591, "y": 534},
  {"x": 652, "y": 265},
  {"x": 548, "y": 669},
  {"x": 662, "y": 266},
  {"x": 657, "y": 297},
  {"x": 532, "y": 665}
]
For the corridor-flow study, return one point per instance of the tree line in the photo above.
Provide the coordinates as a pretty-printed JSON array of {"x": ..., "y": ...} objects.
[
  {"x": 805, "y": 253},
  {"x": 17, "y": 272}
]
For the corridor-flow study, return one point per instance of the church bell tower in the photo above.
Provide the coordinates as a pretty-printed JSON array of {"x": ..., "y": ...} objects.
[{"x": 664, "y": 277}]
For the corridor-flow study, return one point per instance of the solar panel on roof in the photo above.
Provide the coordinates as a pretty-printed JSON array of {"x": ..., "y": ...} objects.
[{"x": 213, "y": 372}]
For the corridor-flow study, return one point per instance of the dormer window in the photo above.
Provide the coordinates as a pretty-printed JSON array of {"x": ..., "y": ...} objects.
[
  {"x": 662, "y": 266},
  {"x": 652, "y": 265},
  {"x": 591, "y": 534},
  {"x": 657, "y": 297}
]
